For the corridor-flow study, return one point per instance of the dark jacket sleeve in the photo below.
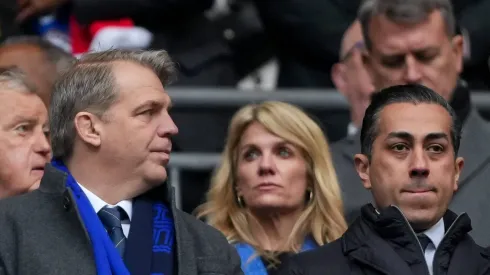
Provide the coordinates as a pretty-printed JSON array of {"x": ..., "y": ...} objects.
[
  {"x": 312, "y": 29},
  {"x": 87, "y": 11},
  {"x": 473, "y": 19}
]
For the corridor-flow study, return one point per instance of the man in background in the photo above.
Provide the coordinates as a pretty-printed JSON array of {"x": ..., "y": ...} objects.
[
  {"x": 351, "y": 77},
  {"x": 24, "y": 146},
  {"x": 41, "y": 61}
]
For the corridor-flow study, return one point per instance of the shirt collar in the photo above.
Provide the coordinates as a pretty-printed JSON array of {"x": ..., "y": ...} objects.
[
  {"x": 97, "y": 203},
  {"x": 352, "y": 129},
  {"x": 436, "y": 233}
]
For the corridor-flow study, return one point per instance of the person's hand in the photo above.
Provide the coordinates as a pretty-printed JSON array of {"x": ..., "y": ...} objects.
[{"x": 28, "y": 8}]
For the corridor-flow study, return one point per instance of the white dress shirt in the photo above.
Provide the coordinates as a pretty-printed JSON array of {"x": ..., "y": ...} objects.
[
  {"x": 97, "y": 203},
  {"x": 435, "y": 234}
]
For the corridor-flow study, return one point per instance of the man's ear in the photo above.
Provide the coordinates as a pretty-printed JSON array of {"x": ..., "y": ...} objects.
[
  {"x": 458, "y": 50},
  {"x": 89, "y": 128},
  {"x": 362, "y": 166},
  {"x": 367, "y": 61},
  {"x": 338, "y": 77},
  {"x": 459, "y": 164}
]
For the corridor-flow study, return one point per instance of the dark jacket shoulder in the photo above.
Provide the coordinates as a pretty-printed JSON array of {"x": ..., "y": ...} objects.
[
  {"x": 213, "y": 253},
  {"x": 317, "y": 261},
  {"x": 203, "y": 235}
]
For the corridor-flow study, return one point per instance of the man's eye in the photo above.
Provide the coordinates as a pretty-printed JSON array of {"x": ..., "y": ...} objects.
[
  {"x": 436, "y": 148},
  {"x": 399, "y": 147},
  {"x": 22, "y": 128}
]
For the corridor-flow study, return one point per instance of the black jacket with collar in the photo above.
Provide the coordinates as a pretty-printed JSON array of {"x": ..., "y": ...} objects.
[
  {"x": 385, "y": 243},
  {"x": 473, "y": 194}
]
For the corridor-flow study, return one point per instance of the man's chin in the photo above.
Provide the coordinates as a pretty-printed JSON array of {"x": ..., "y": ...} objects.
[
  {"x": 421, "y": 219},
  {"x": 157, "y": 176},
  {"x": 35, "y": 185}
]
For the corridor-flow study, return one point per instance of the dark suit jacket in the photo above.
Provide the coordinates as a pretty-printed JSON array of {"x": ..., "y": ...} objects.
[
  {"x": 42, "y": 233},
  {"x": 472, "y": 197}
]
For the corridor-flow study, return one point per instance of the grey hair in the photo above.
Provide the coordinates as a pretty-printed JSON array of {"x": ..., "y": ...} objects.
[
  {"x": 60, "y": 59},
  {"x": 90, "y": 86},
  {"x": 13, "y": 78},
  {"x": 405, "y": 12}
]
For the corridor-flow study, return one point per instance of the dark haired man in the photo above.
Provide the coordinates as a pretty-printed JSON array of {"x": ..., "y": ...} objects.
[
  {"x": 414, "y": 42},
  {"x": 409, "y": 161}
]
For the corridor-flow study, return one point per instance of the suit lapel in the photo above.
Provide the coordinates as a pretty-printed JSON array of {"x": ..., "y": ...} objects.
[{"x": 474, "y": 146}]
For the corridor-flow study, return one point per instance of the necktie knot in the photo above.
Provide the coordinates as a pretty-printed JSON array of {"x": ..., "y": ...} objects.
[
  {"x": 424, "y": 241},
  {"x": 111, "y": 219}
]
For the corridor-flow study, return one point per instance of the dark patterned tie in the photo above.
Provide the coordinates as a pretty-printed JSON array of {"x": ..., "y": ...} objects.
[
  {"x": 424, "y": 241},
  {"x": 111, "y": 219}
]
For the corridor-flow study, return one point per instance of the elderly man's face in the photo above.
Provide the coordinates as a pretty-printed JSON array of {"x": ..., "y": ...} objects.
[
  {"x": 419, "y": 53},
  {"x": 31, "y": 60},
  {"x": 24, "y": 147}
]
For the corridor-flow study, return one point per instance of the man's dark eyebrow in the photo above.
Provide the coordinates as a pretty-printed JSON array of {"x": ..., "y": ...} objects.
[
  {"x": 433, "y": 136},
  {"x": 416, "y": 51},
  {"x": 400, "y": 135}
]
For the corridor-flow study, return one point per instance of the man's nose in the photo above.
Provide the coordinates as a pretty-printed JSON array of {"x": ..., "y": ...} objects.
[
  {"x": 412, "y": 70},
  {"x": 41, "y": 144},
  {"x": 167, "y": 126},
  {"x": 420, "y": 164}
]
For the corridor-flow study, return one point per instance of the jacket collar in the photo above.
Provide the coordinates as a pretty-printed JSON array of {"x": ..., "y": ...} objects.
[
  {"x": 53, "y": 182},
  {"x": 390, "y": 227}
]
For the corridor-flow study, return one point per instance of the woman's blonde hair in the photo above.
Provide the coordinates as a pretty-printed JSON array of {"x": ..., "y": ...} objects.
[{"x": 322, "y": 218}]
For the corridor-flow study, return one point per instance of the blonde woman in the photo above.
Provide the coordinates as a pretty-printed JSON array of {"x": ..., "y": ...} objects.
[{"x": 275, "y": 191}]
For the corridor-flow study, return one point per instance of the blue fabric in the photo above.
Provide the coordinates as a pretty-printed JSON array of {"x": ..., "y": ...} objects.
[
  {"x": 150, "y": 246},
  {"x": 256, "y": 266},
  {"x": 107, "y": 258},
  {"x": 111, "y": 219},
  {"x": 151, "y": 235},
  {"x": 163, "y": 241}
]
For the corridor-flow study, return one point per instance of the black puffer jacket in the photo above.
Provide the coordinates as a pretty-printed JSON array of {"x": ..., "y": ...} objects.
[{"x": 385, "y": 243}]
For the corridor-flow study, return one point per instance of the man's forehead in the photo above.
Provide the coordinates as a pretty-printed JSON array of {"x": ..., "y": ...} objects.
[
  {"x": 352, "y": 36},
  {"x": 418, "y": 119},
  {"x": 20, "y": 49},
  {"x": 18, "y": 103},
  {"x": 388, "y": 36}
]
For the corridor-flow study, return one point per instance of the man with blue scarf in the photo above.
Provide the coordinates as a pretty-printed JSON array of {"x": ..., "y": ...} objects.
[{"x": 102, "y": 207}]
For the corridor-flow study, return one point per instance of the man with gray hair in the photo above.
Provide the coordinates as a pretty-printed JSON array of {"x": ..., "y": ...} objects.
[
  {"x": 102, "y": 206},
  {"x": 24, "y": 147},
  {"x": 415, "y": 42},
  {"x": 41, "y": 61}
]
